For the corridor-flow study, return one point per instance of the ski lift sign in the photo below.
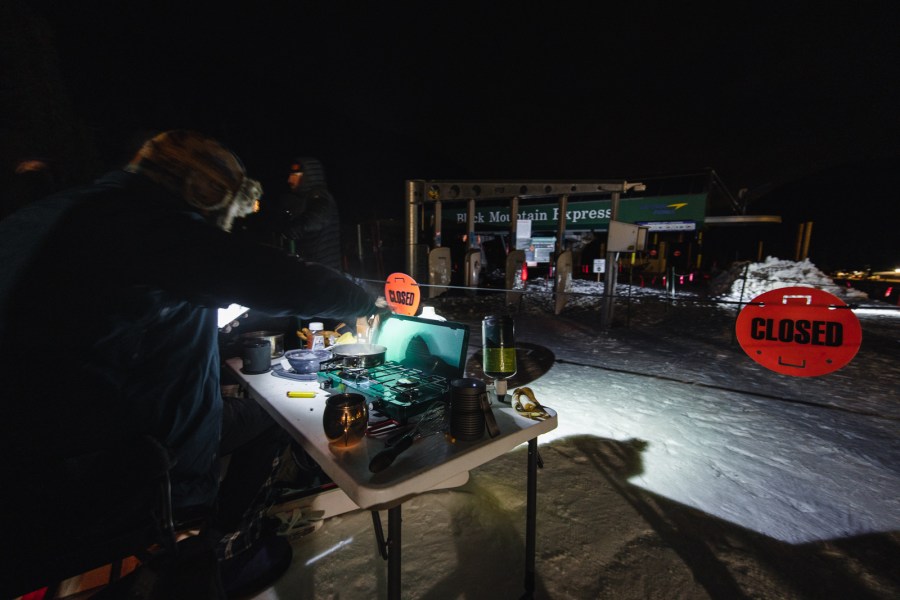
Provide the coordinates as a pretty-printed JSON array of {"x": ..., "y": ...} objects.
[{"x": 799, "y": 331}]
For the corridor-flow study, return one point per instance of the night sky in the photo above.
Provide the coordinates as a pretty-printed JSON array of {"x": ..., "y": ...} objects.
[{"x": 765, "y": 93}]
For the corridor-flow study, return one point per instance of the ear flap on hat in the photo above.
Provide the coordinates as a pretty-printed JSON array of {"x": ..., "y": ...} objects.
[{"x": 243, "y": 204}]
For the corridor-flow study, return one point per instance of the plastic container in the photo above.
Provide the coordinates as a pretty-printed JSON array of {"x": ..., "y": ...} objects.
[{"x": 317, "y": 337}]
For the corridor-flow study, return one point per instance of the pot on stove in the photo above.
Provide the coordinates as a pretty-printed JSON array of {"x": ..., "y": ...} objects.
[{"x": 359, "y": 356}]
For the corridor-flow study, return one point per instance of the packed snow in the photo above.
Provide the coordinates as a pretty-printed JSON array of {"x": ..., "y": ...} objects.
[{"x": 680, "y": 468}]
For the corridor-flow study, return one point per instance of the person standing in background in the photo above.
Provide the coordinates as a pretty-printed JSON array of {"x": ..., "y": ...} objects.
[{"x": 313, "y": 221}]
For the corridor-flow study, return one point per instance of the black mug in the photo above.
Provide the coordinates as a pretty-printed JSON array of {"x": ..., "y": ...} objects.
[
  {"x": 466, "y": 410},
  {"x": 256, "y": 354}
]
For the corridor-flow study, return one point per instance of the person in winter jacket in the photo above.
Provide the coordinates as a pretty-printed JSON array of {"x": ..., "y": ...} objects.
[
  {"x": 108, "y": 305},
  {"x": 313, "y": 220}
]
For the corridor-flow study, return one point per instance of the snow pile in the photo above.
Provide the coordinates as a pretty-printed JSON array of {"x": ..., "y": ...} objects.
[
  {"x": 587, "y": 293},
  {"x": 741, "y": 283},
  {"x": 749, "y": 280}
]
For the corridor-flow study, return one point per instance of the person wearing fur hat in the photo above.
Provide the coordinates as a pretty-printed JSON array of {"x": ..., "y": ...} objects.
[{"x": 108, "y": 303}]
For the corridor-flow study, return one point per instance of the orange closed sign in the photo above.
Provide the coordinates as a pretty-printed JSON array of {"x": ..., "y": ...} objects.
[
  {"x": 799, "y": 331},
  {"x": 402, "y": 294}
]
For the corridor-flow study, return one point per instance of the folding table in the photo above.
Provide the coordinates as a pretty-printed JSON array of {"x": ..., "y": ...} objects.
[{"x": 431, "y": 463}]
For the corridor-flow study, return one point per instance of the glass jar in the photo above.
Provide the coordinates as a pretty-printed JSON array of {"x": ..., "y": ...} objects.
[{"x": 498, "y": 350}]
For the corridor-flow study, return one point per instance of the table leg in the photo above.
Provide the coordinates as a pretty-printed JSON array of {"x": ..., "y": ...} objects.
[
  {"x": 531, "y": 517},
  {"x": 393, "y": 548}
]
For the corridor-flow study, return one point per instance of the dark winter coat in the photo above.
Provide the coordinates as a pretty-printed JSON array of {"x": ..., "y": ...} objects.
[
  {"x": 314, "y": 217},
  {"x": 108, "y": 301}
]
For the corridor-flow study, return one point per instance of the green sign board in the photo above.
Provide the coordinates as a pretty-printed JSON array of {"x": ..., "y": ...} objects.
[{"x": 584, "y": 214}]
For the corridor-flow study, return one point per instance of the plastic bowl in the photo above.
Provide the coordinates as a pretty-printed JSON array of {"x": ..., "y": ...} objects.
[{"x": 304, "y": 360}]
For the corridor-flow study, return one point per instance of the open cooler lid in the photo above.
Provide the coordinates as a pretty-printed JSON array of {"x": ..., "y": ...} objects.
[{"x": 434, "y": 347}]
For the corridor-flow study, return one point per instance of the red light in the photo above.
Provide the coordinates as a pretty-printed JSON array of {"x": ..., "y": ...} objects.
[
  {"x": 524, "y": 272},
  {"x": 890, "y": 290},
  {"x": 681, "y": 280}
]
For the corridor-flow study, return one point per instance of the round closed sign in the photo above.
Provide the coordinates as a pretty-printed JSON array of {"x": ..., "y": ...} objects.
[
  {"x": 799, "y": 331},
  {"x": 402, "y": 294}
]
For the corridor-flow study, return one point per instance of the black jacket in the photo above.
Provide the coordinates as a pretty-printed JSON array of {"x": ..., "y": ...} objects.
[
  {"x": 108, "y": 299},
  {"x": 314, "y": 219}
]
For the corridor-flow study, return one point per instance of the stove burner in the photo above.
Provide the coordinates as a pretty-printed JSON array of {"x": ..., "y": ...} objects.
[
  {"x": 408, "y": 395},
  {"x": 353, "y": 374}
]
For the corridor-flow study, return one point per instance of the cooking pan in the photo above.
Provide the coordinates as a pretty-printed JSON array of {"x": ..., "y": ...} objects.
[{"x": 359, "y": 356}]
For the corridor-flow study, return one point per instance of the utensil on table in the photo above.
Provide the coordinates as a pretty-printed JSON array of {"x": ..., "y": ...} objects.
[{"x": 433, "y": 420}]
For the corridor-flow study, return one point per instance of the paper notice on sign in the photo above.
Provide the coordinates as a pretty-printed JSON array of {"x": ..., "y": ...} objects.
[{"x": 523, "y": 228}]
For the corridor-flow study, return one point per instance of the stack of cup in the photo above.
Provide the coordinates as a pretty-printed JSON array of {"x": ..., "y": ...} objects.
[{"x": 466, "y": 413}]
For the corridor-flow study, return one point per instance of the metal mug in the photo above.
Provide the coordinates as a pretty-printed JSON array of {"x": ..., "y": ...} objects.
[
  {"x": 345, "y": 419},
  {"x": 256, "y": 355}
]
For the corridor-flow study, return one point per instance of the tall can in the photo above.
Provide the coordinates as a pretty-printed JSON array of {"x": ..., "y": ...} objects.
[{"x": 498, "y": 337}]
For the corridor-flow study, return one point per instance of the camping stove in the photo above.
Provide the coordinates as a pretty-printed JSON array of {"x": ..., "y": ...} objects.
[
  {"x": 422, "y": 357},
  {"x": 394, "y": 389}
]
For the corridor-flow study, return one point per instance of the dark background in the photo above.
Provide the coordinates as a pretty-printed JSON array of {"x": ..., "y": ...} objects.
[{"x": 794, "y": 103}]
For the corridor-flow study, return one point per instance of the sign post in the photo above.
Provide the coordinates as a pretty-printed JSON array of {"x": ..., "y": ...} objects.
[
  {"x": 799, "y": 331},
  {"x": 599, "y": 267}
]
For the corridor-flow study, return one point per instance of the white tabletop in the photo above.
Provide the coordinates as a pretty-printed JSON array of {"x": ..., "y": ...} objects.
[{"x": 430, "y": 462}]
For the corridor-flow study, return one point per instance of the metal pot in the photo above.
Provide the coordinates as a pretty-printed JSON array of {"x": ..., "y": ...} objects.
[
  {"x": 275, "y": 338},
  {"x": 359, "y": 356}
]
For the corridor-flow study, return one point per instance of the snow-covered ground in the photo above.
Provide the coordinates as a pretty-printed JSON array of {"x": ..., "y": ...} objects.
[{"x": 681, "y": 468}]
